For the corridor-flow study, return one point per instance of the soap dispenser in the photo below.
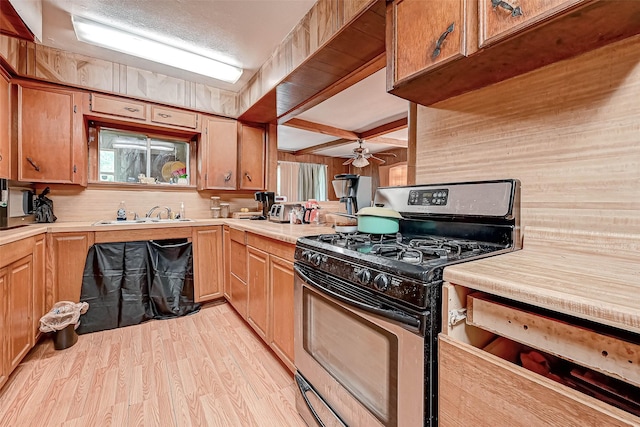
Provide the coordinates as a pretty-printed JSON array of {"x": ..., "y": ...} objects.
[
  {"x": 121, "y": 215},
  {"x": 182, "y": 214}
]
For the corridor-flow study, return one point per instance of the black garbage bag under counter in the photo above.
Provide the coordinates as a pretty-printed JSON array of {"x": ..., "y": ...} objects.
[{"x": 127, "y": 283}]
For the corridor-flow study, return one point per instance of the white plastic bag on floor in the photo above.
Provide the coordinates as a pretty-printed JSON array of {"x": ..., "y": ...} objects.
[{"x": 63, "y": 314}]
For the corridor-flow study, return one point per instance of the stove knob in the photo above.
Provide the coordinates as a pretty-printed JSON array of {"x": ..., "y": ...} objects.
[
  {"x": 381, "y": 282},
  {"x": 363, "y": 276},
  {"x": 316, "y": 259},
  {"x": 307, "y": 255}
]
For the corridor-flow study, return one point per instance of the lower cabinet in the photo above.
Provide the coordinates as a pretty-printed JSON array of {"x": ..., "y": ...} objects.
[
  {"x": 270, "y": 299},
  {"x": 39, "y": 288},
  {"x": 237, "y": 284},
  {"x": 67, "y": 255},
  {"x": 21, "y": 293},
  {"x": 482, "y": 381},
  {"x": 207, "y": 251}
]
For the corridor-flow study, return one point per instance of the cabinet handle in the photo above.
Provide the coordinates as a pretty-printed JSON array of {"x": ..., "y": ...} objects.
[
  {"x": 32, "y": 163},
  {"x": 503, "y": 4},
  {"x": 0, "y": 157},
  {"x": 441, "y": 39},
  {"x": 227, "y": 177},
  {"x": 163, "y": 115},
  {"x": 133, "y": 110},
  {"x": 248, "y": 176}
]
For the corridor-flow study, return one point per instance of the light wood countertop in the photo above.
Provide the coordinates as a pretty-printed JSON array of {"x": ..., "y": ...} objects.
[
  {"x": 568, "y": 279},
  {"x": 284, "y": 232}
]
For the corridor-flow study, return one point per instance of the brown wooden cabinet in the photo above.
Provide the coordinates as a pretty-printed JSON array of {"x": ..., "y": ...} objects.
[
  {"x": 39, "y": 288},
  {"x": 270, "y": 300},
  {"x": 49, "y": 134},
  {"x": 67, "y": 253},
  {"x": 218, "y": 154},
  {"x": 281, "y": 304},
  {"x": 502, "y": 19},
  {"x": 20, "y": 315},
  {"x": 5, "y": 127},
  {"x": 492, "y": 40},
  {"x": 251, "y": 157},
  {"x": 258, "y": 287},
  {"x": 238, "y": 271},
  {"x": 207, "y": 251},
  {"x": 226, "y": 247},
  {"x": 426, "y": 34},
  {"x": 4, "y": 332}
]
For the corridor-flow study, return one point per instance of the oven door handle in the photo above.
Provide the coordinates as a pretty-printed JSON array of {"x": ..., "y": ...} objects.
[
  {"x": 389, "y": 314},
  {"x": 305, "y": 388}
]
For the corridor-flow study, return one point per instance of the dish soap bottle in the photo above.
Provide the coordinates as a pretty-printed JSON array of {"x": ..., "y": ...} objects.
[
  {"x": 182, "y": 214},
  {"x": 121, "y": 215}
]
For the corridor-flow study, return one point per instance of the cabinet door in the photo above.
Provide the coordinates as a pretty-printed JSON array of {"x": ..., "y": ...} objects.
[
  {"x": 5, "y": 128},
  {"x": 258, "y": 287},
  {"x": 227, "y": 262},
  {"x": 252, "y": 156},
  {"x": 20, "y": 310},
  {"x": 50, "y": 143},
  {"x": 69, "y": 255},
  {"x": 218, "y": 154},
  {"x": 426, "y": 34},
  {"x": 239, "y": 295},
  {"x": 281, "y": 302},
  {"x": 4, "y": 353},
  {"x": 39, "y": 308},
  {"x": 121, "y": 107},
  {"x": 501, "y": 19},
  {"x": 207, "y": 243},
  {"x": 173, "y": 117}
]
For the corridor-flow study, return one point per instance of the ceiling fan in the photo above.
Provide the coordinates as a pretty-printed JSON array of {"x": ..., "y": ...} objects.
[{"x": 361, "y": 156}]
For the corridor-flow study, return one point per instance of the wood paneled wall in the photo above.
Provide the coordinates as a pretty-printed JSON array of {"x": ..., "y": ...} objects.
[
  {"x": 72, "y": 203},
  {"x": 570, "y": 132}
]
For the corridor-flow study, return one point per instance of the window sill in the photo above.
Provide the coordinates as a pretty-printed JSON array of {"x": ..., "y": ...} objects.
[{"x": 138, "y": 186}]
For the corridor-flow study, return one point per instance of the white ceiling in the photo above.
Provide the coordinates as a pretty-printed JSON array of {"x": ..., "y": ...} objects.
[{"x": 238, "y": 32}]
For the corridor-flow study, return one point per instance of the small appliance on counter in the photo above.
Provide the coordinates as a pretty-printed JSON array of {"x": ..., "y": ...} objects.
[
  {"x": 266, "y": 199},
  {"x": 279, "y": 212},
  {"x": 353, "y": 190},
  {"x": 16, "y": 204}
]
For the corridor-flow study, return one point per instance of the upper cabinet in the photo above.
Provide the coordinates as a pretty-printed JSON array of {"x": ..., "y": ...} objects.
[
  {"x": 440, "y": 49},
  {"x": 5, "y": 128},
  {"x": 500, "y": 19},
  {"x": 112, "y": 108},
  {"x": 251, "y": 157},
  {"x": 218, "y": 154},
  {"x": 49, "y": 134},
  {"x": 231, "y": 155},
  {"x": 429, "y": 33}
]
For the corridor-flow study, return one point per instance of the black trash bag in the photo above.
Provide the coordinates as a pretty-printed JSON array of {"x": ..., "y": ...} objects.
[
  {"x": 43, "y": 208},
  {"x": 134, "y": 297},
  {"x": 171, "y": 288}
]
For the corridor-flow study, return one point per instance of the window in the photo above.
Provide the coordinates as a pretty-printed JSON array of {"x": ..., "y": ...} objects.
[
  {"x": 126, "y": 156},
  {"x": 302, "y": 181}
]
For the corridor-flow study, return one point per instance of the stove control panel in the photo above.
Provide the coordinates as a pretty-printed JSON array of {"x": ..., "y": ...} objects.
[{"x": 430, "y": 197}]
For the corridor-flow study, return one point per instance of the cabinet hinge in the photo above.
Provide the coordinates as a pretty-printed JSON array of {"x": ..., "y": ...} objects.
[
  {"x": 75, "y": 108},
  {"x": 206, "y": 177},
  {"x": 75, "y": 169},
  {"x": 457, "y": 316}
]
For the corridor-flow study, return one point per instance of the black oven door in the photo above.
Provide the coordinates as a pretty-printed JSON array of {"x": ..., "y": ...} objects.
[{"x": 360, "y": 367}]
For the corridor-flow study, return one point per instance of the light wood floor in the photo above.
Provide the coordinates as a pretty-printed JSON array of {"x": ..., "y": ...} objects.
[{"x": 205, "y": 369}]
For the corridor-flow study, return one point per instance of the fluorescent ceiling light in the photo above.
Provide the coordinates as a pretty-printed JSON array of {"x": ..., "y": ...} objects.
[{"x": 122, "y": 41}]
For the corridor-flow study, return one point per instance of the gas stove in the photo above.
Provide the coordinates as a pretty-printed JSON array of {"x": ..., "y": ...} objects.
[{"x": 442, "y": 224}]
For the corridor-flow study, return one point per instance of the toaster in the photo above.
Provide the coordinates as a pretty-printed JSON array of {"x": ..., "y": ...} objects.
[{"x": 279, "y": 212}]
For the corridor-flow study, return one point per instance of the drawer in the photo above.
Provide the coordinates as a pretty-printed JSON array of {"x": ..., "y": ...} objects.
[
  {"x": 274, "y": 247},
  {"x": 470, "y": 378},
  {"x": 238, "y": 236},
  {"x": 604, "y": 353},
  {"x": 118, "y": 107},
  {"x": 169, "y": 116},
  {"x": 238, "y": 255}
]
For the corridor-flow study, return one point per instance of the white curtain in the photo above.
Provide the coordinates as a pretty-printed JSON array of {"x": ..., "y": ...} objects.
[
  {"x": 288, "y": 180},
  {"x": 302, "y": 181}
]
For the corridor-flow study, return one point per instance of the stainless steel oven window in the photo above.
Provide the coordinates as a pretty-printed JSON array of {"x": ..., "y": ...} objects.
[{"x": 360, "y": 355}]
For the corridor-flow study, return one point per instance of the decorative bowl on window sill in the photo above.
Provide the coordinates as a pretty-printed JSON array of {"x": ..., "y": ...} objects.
[{"x": 183, "y": 181}]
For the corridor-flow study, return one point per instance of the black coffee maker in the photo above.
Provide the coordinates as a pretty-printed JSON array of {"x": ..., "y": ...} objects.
[{"x": 266, "y": 199}]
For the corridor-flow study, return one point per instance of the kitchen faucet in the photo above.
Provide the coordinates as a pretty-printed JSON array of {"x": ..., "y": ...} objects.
[{"x": 152, "y": 210}]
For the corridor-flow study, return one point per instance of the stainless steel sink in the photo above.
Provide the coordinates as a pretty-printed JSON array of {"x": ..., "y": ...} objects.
[{"x": 142, "y": 221}]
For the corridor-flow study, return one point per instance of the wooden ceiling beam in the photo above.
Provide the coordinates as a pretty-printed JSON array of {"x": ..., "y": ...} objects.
[
  {"x": 400, "y": 143},
  {"x": 376, "y": 64},
  {"x": 384, "y": 129},
  {"x": 330, "y": 144},
  {"x": 319, "y": 128}
]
